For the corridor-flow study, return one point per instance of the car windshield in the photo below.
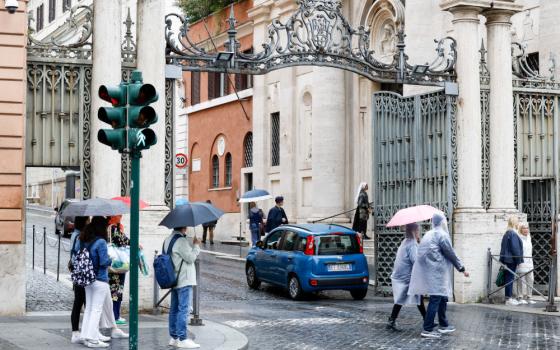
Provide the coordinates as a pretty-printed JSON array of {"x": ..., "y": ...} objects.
[{"x": 338, "y": 244}]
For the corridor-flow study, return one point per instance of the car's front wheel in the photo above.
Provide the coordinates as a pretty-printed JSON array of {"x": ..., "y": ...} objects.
[
  {"x": 252, "y": 280},
  {"x": 358, "y": 294},
  {"x": 294, "y": 288}
]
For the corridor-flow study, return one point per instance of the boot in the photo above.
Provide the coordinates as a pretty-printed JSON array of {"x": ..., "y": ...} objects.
[{"x": 392, "y": 325}]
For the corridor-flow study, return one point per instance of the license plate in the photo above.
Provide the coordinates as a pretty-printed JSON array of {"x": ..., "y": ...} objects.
[{"x": 339, "y": 267}]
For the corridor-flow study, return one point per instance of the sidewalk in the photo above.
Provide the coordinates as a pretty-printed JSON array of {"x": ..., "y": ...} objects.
[{"x": 40, "y": 331}]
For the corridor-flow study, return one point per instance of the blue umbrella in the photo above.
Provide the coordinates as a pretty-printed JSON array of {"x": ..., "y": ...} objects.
[
  {"x": 254, "y": 196},
  {"x": 191, "y": 214}
]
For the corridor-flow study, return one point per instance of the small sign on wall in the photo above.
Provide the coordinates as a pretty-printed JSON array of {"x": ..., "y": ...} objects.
[{"x": 196, "y": 164}]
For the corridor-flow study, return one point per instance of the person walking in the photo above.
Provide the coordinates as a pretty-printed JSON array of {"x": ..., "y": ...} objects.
[
  {"x": 525, "y": 269},
  {"x": 400, "y": 278},
  {"x": 116, "y": 280},
  {"x": 184, "y": 252},
  {"x": 432, "y": 275},
  {"x": 511, "y": 255},
  {"x": 256, "y": 222},
  {"x": 208, "y": 228},
  {"x": 80, "y": 223},
  {"x": 99, "y": 307},
  {"x": 363, "y": 211},
  {"x": 276, "y": 215}
]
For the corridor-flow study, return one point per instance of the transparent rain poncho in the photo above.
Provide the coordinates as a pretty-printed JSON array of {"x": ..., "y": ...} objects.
[
  {"x": 433, "y": 268},
  {"x": 406, "y": 255}
]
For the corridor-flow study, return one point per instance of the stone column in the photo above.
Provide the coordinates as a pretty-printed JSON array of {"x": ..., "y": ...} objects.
[
  {"x": 106, "y": 70},
  {"x": 502, "y": 173},
  {"x": 469, "y": 141},
  {"x": 328, "y": 141}
]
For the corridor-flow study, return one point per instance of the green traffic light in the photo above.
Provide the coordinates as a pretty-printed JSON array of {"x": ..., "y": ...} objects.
[
  {"x": 116, "y": 139},
  {"x": 141, "y": 139}
]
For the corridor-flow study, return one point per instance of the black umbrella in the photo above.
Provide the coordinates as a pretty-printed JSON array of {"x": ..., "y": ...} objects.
[{"x": 191, "y": 215}]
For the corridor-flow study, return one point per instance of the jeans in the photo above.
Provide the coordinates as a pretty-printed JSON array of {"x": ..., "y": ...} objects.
[
  {"x": 180, "y": 300},
  {"x": 79, "y": 301},
  {"x": 255, "y": 234},
  {"x": 99, "y": 310},
  {"x": 509, "y": 280},
  {"x": 437, "y": 304}
]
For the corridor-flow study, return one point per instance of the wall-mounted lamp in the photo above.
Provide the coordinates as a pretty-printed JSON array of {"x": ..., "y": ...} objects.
[
  {"x": 224, "y": 57},
  {"x": 420, "y": 69},
  {"x": 11, "y": 5}
]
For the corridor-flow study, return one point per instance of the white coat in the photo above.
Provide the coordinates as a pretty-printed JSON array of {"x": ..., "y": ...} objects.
[{"x": 406, "y": 255}]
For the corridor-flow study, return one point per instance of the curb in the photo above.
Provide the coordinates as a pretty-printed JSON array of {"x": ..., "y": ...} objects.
[
  {"x": 235, "y": 340},
  {"x": 532, "y": 311}
]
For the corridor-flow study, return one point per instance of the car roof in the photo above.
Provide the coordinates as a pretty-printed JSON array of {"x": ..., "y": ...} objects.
[{"x": 318, "y": 228}]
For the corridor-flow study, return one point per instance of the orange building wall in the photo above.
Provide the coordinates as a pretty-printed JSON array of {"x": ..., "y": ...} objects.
[{"x": 13, "y": 29}]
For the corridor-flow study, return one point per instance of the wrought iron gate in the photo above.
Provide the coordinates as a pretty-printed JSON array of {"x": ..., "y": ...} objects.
[{"x": 414, "y": 163}]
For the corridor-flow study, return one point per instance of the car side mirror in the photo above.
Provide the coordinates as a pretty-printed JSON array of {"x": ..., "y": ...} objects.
[{"x": 260, "y": 244}]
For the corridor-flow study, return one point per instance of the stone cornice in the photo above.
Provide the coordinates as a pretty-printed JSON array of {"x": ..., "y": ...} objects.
[
  {"x": 510, "y": 5},
  {"x": 260, "y": 13}
]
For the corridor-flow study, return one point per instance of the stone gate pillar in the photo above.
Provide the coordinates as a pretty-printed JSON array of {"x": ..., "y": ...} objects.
[{"x": 502, "y": 181}]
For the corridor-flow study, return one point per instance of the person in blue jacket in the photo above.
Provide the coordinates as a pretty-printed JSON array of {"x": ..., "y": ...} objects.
[
  {"x": 511, "y": 255},
  {"x": 276, "y": 215},
  {"x": 99, "y": 305}
]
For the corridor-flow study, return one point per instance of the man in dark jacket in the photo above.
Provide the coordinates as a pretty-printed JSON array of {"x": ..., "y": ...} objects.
[
  {"x": 276, "y": 215},
  {"x": 511, "y": 254}
]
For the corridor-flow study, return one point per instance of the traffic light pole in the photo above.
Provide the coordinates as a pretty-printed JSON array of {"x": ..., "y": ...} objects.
[{"x": 134, "y": 239}]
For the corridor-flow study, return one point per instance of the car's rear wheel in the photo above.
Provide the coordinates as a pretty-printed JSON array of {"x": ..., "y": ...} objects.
[
  {"x": 358, "y": 294},
  {"x": 252, "y": 280},
  {"x": 294, "y": 288}
]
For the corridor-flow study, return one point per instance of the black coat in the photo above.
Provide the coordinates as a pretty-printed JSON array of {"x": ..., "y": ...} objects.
[
  {"x": 511, "y": 251},
  {"x": 274, "y": 218}
]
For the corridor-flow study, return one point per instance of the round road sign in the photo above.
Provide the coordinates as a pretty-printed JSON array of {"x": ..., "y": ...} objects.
[{"x": 181, "y": 160}]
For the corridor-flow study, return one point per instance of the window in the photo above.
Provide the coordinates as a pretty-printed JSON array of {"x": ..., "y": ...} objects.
[
  {"x": 273, "y": 240},
  {"x": 248, "y": 150},
  {"x": 244, "y": 81},
  {"x": 533, "y": 61},
  {"x": 52, "y": 10},
  {"x": 218, "y": 85},
  {"x": 275, "y": 138},
  {"x": 195, "y": 88},
  {"x": 290, "y": 241},
  {"x": 228, "y": 170},
  {"x": 66, "y": 5},
  {"x": 40, "y": 17},
  {"x": 215, "y": 172},
  {"x": 338, "y": 244}
]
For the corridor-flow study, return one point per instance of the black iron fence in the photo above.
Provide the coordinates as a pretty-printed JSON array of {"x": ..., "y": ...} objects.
[{"x": 43, "y": 239}]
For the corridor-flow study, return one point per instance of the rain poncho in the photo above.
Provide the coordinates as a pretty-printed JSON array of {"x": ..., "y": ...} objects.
[
  {"x": 406, "y": 255},
  {"x": 433, "y": 268}
]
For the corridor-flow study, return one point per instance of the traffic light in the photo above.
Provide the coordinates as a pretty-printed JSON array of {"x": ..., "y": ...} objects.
[
  {"x": 115, "y": 116},
  {"x": 140, "y": 114}
]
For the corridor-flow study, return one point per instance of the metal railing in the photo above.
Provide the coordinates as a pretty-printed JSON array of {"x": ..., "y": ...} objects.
[
  {"x": 44, "y": 240},
  {"x": 551, "y": 261}
]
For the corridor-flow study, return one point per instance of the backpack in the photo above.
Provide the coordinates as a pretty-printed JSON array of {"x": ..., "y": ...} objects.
[
  {"x": 83, "y": 273},
  {"x": 164, "y": 270}
]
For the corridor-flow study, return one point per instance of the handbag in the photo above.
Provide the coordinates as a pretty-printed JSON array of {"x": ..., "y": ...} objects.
[
  {"x": 501, "y": 278},
  {"x": 120, "y": 257}
]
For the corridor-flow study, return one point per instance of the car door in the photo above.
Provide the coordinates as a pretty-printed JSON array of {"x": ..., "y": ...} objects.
[
  {"x": 266, "y": 257},
  {"x": 285, "y": 257}
]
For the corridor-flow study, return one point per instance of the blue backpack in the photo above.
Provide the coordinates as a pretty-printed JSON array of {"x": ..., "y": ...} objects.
[{"x": 163, "y": 266}]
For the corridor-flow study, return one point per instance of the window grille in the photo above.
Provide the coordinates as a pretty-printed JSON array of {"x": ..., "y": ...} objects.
[
  {"x": 40, "y": 17},
  {"x": 52, "y": 10},
  {"x": 215, "y": 172},
  {"x": 275, "y": 138},
  {"x": 248, "y": 150},
  {"x": 195, "y": 88},
  {"x": 228, "y": 170}
]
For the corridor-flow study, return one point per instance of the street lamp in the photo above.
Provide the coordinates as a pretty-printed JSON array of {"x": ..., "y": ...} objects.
[
  {"x": 420, "y": 69},
  {"x": 223, "y": 57},
  {"x": 11, "y": 5}
]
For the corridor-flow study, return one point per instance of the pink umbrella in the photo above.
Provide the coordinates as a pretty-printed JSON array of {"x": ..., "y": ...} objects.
[{"x": 413, "y": 214}]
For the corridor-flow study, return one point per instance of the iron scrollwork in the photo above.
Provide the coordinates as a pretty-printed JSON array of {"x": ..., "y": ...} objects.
[{"x": 316, "y": 34}]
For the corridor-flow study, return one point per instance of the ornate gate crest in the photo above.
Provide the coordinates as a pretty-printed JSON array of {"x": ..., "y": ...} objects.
[{"x": 316, "y": 34}]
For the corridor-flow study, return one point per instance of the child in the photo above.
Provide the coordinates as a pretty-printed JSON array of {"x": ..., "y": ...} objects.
[{"x": 525, "y": 283}]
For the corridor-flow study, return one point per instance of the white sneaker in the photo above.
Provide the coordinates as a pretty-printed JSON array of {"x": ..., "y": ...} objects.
[
  {"x": 523, "y": 302},
  {"x": 531, "y": 302},
  {"x": 187, "y": 344},
  {"x": 512, "y": 302},
  {"x": 104, "y": 338},
  {"x": 117, "y": 333},
  {"x": 173, "y": 342},
  {"x": 76, "y": 338},
  {"x": 97, "y": 344}
]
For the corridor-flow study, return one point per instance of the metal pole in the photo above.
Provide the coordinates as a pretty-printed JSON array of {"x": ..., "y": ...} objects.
[
  {"x": 156, "y": 309},
  {"x": 33, "y": 249},
  {"x": 58, "y": 260},
  {"x": 551, "y": 306},
  {"x": 489, "y": 277},
  {"x": 134, "y": 238},
  {"x": 240, "y": 253},
  {"x": 196, "y": 320},
  {"x": 44, "y": 250}
]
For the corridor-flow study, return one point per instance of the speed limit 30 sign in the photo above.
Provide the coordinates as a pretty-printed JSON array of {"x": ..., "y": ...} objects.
[{"x": 181, "y": 161}]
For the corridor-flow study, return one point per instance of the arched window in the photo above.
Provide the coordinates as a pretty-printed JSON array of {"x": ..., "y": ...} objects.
[
  {"x": 215, "y": 172},
  {"x": 228, "y": 170},
  {"x": 248, "y": 150}
]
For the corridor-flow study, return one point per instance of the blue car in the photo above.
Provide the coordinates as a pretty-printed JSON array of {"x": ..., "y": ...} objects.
[{"x": 309, "y": 258}]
